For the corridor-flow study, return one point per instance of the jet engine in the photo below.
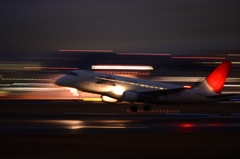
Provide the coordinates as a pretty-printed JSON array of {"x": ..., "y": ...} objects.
[
  {"x": 130, "y": 96},
  {"x": 108, "y": 99}
]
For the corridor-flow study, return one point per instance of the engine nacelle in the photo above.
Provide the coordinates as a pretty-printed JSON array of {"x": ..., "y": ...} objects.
[
  {"x": 130, "y": 96},
  {"x": 108, "y": 99}
]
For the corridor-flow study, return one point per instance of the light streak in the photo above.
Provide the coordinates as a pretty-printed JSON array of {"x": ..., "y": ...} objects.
[
  {"x": 31, "y": 89},
  {"x": 187, "y": 125},
  {"x": 210, "y": 58},
  {"x": 119, "y": 67},
  {"x": 92, "y": 100},
  {"x": 53, "y": 68},
  {"x": 233, "y": 54},
  {"x": 87, "y": 50},
  {"x": 125, "y": 73},
  {"x": 235, "y": 63},
  {"x": 147, "y": 54},
  {"x": 25, "y": 79},
  {"x": 98, "y": 127},
  {"x": 73, "y": 91},
  {"x": 187, "y": 87},
  {"x": 231, "y": 85}
]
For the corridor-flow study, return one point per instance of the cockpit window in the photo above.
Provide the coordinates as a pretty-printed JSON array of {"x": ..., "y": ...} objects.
[{"x": 72, "y": 74}]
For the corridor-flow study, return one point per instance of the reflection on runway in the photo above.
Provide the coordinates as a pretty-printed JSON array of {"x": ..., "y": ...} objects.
[{"x": 135, "y": 123}]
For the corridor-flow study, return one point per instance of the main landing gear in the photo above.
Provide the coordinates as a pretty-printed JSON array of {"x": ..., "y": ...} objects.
[
  {"x": 146, "y": 107},
  {"x": 134, "y": 108}
]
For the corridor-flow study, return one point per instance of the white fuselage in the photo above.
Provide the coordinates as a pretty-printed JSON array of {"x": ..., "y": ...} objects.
[{"x": 114, "y": 86}]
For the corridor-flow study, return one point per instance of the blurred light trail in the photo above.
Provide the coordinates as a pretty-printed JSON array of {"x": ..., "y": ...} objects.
[
  {"x": 52, "y": 68},
  {"x": 210, "y": 58},
  {"x": 215, "y": 63},
  {"x": 25, "y": 79},
  {"x": 187, "y": 125},
  {"x": 187, "y": 86},
  {"x": 87, "y": 50},
  {"x": 143, "y": 54},
  {"x": 126, "y": 73},
  {"x": 120, "y": 67},
  {"x": 98, "y": 127},
  {"x": 73, "y": 91},
  {"x": 92, "y": 99},
  {"x": 30, "y": 89},
  {"x": 187, "y": 79},
  {"x": 231, "y": 85},
  {"x": 233, "y": 54},
  {"x": 33, "y": 84}
]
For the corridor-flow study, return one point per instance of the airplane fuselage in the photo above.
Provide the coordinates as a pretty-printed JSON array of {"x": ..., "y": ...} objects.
[{"x": 131, "y": 89}]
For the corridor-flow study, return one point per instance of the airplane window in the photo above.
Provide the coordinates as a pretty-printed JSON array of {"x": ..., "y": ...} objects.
[{"x": 72, "y": 73}]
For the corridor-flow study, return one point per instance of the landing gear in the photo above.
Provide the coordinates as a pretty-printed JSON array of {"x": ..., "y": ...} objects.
[
  {"x": 134, "y": 108},
  {"x": 147, "y": 107}
]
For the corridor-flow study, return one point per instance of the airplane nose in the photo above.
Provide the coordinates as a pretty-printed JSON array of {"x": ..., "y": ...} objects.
[{"x": 59, "y": 82}]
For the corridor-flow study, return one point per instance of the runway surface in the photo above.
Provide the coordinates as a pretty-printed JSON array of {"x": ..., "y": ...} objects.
[{"x": 60, "y": 129}]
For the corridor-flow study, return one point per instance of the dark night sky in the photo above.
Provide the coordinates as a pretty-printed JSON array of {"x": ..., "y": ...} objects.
[{"x": 120, "y": 25}]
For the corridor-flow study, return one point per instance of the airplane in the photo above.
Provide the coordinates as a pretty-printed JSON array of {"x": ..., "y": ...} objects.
[{"x": 113, "y": 88}]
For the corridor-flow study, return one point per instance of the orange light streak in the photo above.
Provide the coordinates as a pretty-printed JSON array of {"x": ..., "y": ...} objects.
[
  {"x": 87, "y": 50},
  {"x": 66, "y": 68},
  {"x": 215, "y": 58},
  {"x": 187, "y": 87},
  {"x": 143, "y": 54}
]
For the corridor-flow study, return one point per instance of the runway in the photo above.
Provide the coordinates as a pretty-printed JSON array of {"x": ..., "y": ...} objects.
[
  {"x": 120, "y": 124},
  {"x": 60, "y": 129}
]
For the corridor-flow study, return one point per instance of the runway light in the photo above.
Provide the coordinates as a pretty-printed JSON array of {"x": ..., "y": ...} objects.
[{"x": 187, "y": 125}]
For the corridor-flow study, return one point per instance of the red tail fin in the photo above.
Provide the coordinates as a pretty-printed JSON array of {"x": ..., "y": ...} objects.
[{"x": 217, "y": 78}]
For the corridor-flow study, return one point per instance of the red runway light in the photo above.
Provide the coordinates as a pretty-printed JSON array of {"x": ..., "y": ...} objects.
[{"x": 187, "y": 125}]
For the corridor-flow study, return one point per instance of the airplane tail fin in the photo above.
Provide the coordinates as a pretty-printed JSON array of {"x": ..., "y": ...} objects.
[{"x": 214, "y": 82}]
